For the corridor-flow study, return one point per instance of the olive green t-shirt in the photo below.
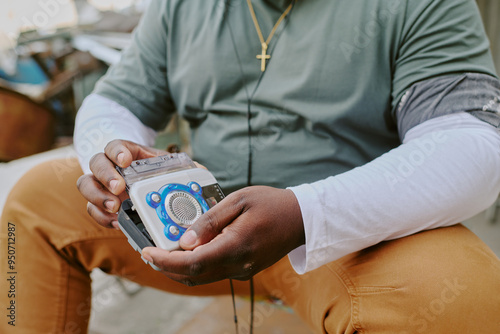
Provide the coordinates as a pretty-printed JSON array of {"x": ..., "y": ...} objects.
[{"x": 326, "y": 102}]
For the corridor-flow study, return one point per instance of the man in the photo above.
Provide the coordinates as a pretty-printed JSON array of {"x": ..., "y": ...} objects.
[{"x": 354, "y": 138}]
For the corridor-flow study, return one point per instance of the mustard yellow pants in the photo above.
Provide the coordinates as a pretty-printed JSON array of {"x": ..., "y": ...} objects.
[{"x": 440, "y": 281}]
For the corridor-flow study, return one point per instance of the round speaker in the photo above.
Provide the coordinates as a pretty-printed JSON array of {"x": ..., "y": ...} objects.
[{"x": 182, "y": 208}]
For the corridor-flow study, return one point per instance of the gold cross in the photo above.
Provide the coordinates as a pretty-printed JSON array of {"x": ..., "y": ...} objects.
[{"x": 263, "y": 57}]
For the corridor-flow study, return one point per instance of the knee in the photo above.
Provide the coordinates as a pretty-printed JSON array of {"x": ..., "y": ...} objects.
[
  {"x": 457, "y": 290},
  {"x": 456, "y": 305},
  {"x": 440, "y": 281}
]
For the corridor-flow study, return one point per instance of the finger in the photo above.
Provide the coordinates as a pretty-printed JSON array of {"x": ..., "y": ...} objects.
[
  {"x": 221, "y": 258},
  {"x": 194, "y": 281},
  {"x": 189, "y": 280},
  {"x": 105, "y": 173},
  {"x": 98, "y": 195},
  {"x": 123, "y": 152},
  {"x": 103, "y": 218},
  {"x": 211, "y": 223}
]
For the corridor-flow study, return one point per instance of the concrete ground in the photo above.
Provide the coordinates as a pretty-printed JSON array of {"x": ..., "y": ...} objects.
[
  {"x": 120, "y": 306},
  {"x": 142, "y": 310}
]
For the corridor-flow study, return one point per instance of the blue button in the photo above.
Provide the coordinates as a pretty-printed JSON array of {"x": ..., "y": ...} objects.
[
  {"x": 172, "y": 236},
  {"x": 153, "y": 199}
]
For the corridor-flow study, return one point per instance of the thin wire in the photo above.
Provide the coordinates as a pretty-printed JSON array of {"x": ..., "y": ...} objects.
[
  {"x": 249, "y": 129},
  {"x": 252, "y": 304},
  {"x": 248, "y": 95},
  {"x": 235, "y": 315},
  {"x": 234, "y": 307},
  {"x": 249, "y": 104}
]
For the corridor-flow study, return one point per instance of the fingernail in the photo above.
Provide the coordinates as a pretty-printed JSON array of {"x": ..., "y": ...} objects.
[
  {"x": 115, "y": 225},
  {"x": 189, "y": 238},
  {"x": 113, "y": 184},
  {"x": 109, "y": 204},
  {"x": 120, "y": 158},
  {"x": 148, "y": 258}
]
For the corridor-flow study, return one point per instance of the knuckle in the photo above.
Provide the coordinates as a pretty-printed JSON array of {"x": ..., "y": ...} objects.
[
  {"x": 239, "y": 199},
  {"x": 114, "y": 147},
  {"x": 243, "y": 255},
  {"x": 99, "y": 169},
  {"x": 94, "y": 212},
  {"x": 104, "y": 222},
  {"x": 112, "y": 144},
  {"x": 95, "y": 159},
  {"x": 81, "y": 181},
  {"x": 212, "y": 223},
  {"x": 103, "y": 174},
  {"x": 195, "y": 269}
]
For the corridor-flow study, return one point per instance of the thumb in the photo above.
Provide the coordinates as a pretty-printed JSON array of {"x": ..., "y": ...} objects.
[{"x": 211, "y": 223}]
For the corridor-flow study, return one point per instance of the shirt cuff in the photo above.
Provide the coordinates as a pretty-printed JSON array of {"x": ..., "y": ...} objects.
[{"x": 308, "y": 199}]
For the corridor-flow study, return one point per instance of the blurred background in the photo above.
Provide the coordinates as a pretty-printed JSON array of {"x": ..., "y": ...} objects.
[{"x": 52, "y": 52}]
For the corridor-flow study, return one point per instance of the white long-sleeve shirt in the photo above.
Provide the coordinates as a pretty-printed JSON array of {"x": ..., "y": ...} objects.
[{"x": 446, "y": 170}]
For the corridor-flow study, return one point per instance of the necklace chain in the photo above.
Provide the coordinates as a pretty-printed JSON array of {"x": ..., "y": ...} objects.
[{"x": 265, "y": 43}]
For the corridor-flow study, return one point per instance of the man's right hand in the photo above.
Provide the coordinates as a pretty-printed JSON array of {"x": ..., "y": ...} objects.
[{"x": 105, "y": 188}]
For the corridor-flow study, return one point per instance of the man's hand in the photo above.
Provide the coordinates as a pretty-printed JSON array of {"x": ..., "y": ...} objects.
[
  {"x": 245, "y": 233},
  {"x": 105, "y": 188}
]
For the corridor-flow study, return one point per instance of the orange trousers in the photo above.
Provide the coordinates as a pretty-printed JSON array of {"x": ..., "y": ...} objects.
[{"x": 439, "y": 281}]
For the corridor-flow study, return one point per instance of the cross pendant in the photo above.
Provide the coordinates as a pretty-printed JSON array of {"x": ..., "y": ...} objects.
[{"x": 263, "y": 57}]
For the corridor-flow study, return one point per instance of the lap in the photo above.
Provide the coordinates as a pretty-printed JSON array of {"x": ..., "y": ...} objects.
[
  {"x": 415, "y": 284},
  {"x": 439, "y": 281},
  {"x": 47, "y": 206}
]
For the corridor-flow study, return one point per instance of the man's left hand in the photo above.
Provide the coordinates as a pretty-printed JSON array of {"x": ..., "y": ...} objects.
[{"x": 245, "y": 233}]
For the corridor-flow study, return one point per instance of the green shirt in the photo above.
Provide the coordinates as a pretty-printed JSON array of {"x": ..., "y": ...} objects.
[{"x": 326, "y": 103}]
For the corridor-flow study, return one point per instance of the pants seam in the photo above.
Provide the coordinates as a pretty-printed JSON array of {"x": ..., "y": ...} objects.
[
  {"x": 62, "y": 300},
  {"x": 350, "y": 288}
]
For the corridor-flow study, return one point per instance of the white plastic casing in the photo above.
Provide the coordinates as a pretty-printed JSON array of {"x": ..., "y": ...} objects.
[{"x": 138, "y": 193}]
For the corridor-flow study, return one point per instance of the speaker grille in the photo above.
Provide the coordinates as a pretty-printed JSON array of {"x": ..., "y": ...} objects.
[{"x": 182, "y": 208}]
